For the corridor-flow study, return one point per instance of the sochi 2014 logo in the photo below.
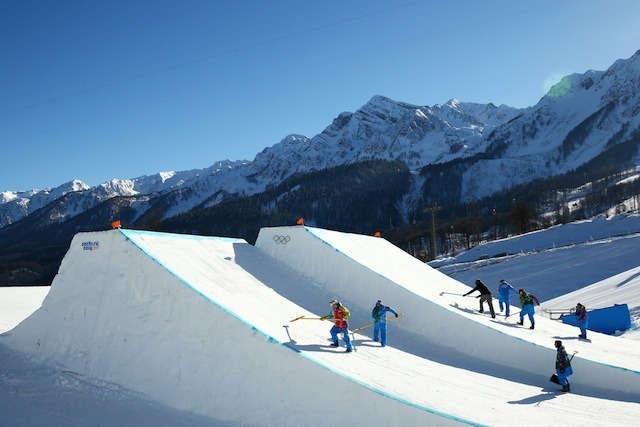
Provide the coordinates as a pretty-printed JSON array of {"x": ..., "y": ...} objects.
[{"x": 90, "y": 246}]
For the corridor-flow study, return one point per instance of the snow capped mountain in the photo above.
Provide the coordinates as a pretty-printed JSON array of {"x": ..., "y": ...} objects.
[
  {"x": 581, "y": 117},
  {"x": 381, "y": 129},
  {"x": 384, "y": 129},
  {"x": 15, "y": 205}
]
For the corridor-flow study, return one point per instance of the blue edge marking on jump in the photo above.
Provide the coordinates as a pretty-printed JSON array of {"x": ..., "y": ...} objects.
[{"x": 128, "y": 235}]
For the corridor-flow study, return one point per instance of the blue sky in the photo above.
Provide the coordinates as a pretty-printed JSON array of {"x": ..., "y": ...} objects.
[{"x": 119, "y": 89}]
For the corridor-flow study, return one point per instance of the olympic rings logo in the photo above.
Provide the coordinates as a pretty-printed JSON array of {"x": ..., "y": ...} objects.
[{"x": 281, "y": 240}]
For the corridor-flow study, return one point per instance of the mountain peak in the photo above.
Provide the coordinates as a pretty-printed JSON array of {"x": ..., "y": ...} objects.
[{"x": 453, "y": 103}]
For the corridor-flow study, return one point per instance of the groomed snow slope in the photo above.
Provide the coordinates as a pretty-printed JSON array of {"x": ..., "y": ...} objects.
[
  {"x": 17, "y": 303},
  {"x": 600, "y": 293},
  {"x": 203, "y": 325},
  {"x": 361, "y": 269}
]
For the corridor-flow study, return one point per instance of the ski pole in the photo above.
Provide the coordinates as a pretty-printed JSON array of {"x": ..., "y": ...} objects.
[{"x": 574, "y": 353}]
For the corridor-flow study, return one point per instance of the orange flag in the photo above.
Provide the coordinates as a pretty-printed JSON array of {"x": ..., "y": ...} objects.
[
  {"x": 115, "y": 224},
  {"x": 300, "y": 221},
  {"x": 377, "y": 234}
]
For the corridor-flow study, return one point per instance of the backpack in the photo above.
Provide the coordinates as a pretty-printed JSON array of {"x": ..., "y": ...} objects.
[
  {"x": 346, "y": 312},
  {"x": 527, "y": 298}
]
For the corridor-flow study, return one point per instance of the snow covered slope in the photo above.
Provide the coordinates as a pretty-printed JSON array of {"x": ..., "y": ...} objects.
[
  {"x": 362, "y": 269},
  {"x": 18, "y": 303},
  {"x": 178, "y": 318},
  {"x": 623, "y": 287},
  {"x": 597, "y": 228},
  {"x": 204, "y": 325}
]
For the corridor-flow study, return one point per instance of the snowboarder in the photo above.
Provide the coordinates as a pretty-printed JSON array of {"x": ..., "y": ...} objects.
[
  {"x": 340, "y": 314},
  {"x": 526, "y": 301},
  {"x": 583, "y": 320},
  {"x": 504, "y": 292},
  {"x": 379, "y": 314},
  {"x": 563, "y": 367},
  {"x": 485, "y": 296}
]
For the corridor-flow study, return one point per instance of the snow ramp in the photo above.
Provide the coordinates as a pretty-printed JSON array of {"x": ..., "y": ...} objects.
[
  {"x": 178, "y": 319},
  {"x": 360, "y": 269},
  {"x": 203, "y": 324}
]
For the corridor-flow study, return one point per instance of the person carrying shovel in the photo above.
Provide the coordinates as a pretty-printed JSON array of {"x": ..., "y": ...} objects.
[{"x": 340, "y": 314}]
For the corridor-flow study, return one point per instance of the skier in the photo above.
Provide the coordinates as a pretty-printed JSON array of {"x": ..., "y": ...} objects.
[
  {"x": 340, "y": 314},
  {"x": 526, "y": 301},
  {"x": 485, "y": 296},
  {"x": 379, "y": 314},
  {"x": 583, "y": 320},
  {"x": 563, "y": 367},
  {"x": 504, "y": 290}
]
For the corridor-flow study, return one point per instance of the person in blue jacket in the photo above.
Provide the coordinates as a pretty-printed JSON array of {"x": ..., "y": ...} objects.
[
  {"x": 504, "y": 292},
  {"x": 583, "y": 320},
  {"x": 379, "y": 314}
]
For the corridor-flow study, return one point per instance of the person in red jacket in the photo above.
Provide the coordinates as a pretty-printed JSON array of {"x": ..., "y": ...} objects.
[{"x": 340, "y": 314}]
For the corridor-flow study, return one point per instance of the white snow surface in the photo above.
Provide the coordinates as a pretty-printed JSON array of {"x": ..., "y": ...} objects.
[
  {"x": 198, "y": 330},
  {"x": 18, "y": 303},
  {"x": 566, "y": 235}
]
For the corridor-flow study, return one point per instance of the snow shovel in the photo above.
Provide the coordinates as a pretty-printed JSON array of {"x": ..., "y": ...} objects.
[
  {"x": 513, "y": 313},
  {"x": 310, "y": 318},
  {"x": 359, "y": 328}
]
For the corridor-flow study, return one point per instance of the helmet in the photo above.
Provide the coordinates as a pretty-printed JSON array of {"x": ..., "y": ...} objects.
[
  {"x": 521, "y": 291},
  {"x": 379, "y": 302},
  {"x": 334, "y": 302},
  {"x": 478, "y": 281},
  {"x": 501, "y": 280}
]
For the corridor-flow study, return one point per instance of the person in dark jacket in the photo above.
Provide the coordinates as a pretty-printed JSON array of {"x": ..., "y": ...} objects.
[
  {"x": 485, "y": 296},
  {"x": 563, "y": 366},
  {"x": 379, "y": 314}
]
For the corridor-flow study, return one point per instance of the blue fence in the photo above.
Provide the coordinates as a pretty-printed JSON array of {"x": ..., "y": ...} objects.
[{"x": 606, "y": 320}]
